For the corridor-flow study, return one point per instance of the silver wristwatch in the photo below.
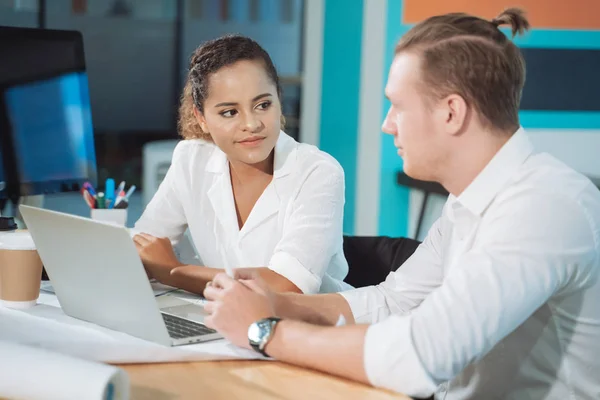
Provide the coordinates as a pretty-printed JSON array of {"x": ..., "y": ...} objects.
[{"x": 260, "y": 332}]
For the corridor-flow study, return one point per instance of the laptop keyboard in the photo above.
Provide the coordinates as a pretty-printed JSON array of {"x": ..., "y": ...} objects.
[{"x": 180, "y": 328}]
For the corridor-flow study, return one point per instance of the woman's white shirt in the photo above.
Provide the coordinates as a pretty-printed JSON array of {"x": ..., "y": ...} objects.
[{"x": 295, "y": 227}]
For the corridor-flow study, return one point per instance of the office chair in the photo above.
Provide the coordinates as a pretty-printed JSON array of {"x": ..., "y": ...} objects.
[{"x": 372, "y": 258}]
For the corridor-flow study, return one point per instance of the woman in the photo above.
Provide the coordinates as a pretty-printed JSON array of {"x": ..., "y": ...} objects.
[{"x": 250, "y": 195}]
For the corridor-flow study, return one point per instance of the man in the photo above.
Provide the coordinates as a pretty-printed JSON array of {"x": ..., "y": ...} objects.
[{"x": 502, "y": 300}]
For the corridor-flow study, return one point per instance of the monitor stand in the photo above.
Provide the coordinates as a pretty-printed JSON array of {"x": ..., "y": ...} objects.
[{"x": 34, "y": 201}]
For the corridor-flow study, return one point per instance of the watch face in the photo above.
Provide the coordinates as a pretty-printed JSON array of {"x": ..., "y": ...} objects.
[{"x": 258, "y": 331}]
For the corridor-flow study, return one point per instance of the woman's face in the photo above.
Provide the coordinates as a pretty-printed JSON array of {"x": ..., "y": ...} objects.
[{"x": 242, "y": 112}]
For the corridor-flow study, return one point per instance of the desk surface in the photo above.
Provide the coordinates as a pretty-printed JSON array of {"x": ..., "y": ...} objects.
[{"x": 242, "y": 380}]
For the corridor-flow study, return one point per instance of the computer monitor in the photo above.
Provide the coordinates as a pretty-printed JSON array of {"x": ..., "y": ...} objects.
[
  {"x": 46, "y": 134},
  {"x": 2, "y": 179}
]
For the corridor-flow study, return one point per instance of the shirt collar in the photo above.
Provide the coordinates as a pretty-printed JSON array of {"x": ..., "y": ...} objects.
[
  {"x": 283, "y": 163},
  {"x": 502, "y": 167}
]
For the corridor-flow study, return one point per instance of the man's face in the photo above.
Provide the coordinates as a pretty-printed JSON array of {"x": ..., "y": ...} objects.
[{"x": 413, "y": 122}]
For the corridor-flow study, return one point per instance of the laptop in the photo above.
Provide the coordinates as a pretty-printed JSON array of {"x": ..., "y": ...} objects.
[{"x": 98, "y": 277}]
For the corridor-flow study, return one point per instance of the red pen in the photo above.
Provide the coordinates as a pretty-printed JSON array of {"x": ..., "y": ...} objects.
[{"x": 89, "y": 199}]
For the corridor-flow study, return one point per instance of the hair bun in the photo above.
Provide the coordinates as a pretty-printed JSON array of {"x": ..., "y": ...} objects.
[{"x": 515, "y": 18}]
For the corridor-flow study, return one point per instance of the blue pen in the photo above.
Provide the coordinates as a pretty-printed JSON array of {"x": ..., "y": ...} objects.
[
  {"x": 88, "y": 186},
  {"x": 109, "y": 193}
]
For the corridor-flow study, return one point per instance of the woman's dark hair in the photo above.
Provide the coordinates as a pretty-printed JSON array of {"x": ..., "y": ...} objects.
[{"x": 208, "y": 59}]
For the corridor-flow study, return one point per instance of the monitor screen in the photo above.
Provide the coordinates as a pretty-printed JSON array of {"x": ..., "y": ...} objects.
[
  {"x": 45, "y": 116},
  {"x": 52, "y": 132},
  {"x": 2, "y": 178}
]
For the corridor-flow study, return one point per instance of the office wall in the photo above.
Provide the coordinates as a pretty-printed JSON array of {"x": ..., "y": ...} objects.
[
  {"x": 130, "y": 69},
  {"x": 354, "y": 49},
  {"x": 22, "y": 17},
  {"x": 135, "y": 75},
  {"x": 352, "y": 42},
  {"x": 560, "y": 107},
  {"x": 331, "y": 75},
  {"x": 133, "y": 54},
  {"x": 341, "y": 64}
]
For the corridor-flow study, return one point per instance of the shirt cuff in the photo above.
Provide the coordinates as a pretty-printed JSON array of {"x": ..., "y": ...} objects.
[
  {"x": 391, "y": 360},
  {"x": 368, "y": 304},
  {"x": 289, "y": 267},
  {"x": 358, "y": 300}
]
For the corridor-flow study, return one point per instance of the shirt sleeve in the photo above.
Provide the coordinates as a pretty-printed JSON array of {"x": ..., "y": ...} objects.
[
  {"x": 529, "y": 252},
  {"x": 405, "y": 288},
  {"x": 164, "y": 216},
  {"x": 312, "y": 234}
]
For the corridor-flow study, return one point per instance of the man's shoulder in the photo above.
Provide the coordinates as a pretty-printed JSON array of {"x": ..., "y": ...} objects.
[
  {"x": 543, "y": 176},
  {"x": 545, "y": 170},
  {"x": 545, "y": 196}
]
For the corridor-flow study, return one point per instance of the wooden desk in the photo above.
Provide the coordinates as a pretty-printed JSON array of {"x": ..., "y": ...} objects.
[{"x": 242, "y": 380}]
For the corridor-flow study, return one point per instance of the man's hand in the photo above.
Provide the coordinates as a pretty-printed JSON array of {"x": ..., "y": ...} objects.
[
  {"x": 233, "y": 305},
  {"x": 157, "y": 256}
]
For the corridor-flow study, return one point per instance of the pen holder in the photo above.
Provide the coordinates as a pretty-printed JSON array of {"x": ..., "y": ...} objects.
[{"x": 113, "y": 215}]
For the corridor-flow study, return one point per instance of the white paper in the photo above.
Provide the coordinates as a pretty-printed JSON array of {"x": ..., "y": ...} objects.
[
  {"x": 32, "y": 373},
  {"x": 46, "y": 326}
]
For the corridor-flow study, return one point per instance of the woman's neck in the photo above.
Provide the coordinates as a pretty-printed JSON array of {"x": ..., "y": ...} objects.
[{"x": 246, "y": 172}]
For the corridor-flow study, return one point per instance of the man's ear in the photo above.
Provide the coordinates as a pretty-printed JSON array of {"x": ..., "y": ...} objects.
[
  {"x": 456, "y": 111},
  {"x": 201, "y": 120}
]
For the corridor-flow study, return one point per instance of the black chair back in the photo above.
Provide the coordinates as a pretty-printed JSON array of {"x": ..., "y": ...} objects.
[{"x": 372, "y": 258}]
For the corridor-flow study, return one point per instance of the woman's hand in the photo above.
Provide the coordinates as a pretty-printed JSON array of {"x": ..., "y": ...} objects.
[
  {"x": 194, "y": 278},
  {"x": 157, "y": 256}
]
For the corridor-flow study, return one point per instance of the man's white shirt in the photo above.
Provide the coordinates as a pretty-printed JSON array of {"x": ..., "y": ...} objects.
[{"x": 502, "y": 300}]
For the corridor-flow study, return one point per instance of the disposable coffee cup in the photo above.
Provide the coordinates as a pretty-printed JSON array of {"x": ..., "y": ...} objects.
[{"x": 20, "y": 270}]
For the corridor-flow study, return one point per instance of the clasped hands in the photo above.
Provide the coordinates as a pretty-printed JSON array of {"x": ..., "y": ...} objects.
[{"x": 234, "y": 303}]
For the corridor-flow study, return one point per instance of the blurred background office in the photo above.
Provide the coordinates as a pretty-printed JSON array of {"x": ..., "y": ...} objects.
[
  {"x": 136, "y": 54},
  {"x": 333, "y": 57}
]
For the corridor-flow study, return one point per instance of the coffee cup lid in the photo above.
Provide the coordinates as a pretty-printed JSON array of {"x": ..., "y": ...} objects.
[{"x": 16, "y": 241}]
